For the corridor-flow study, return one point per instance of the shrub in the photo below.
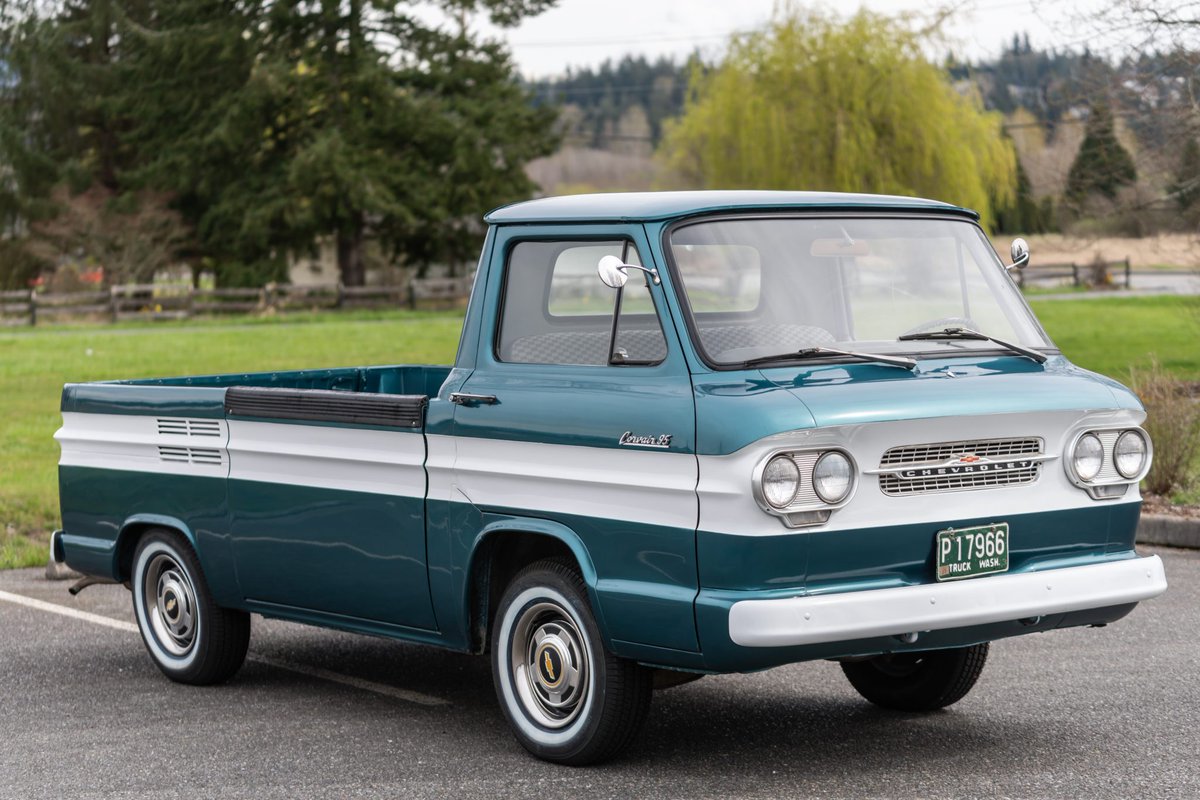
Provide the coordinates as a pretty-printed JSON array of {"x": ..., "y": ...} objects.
[{"x": 1173, "y": 422}]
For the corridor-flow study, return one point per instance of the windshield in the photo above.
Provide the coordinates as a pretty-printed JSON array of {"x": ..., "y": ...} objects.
[{"x": 772, "y": 286}]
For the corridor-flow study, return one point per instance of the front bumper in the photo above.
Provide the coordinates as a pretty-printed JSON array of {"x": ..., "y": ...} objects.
[{"x": 818, "y": 619}]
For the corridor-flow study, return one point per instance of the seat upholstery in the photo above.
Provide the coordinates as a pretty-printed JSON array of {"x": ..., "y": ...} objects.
[{"x": 589, "y": 347}]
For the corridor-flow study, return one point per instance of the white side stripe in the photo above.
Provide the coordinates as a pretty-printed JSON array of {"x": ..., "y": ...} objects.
[
  {"x": 349, "y": 459},
  {"x": 640, "y": 486},
  {"x": 406, "y": 695}
]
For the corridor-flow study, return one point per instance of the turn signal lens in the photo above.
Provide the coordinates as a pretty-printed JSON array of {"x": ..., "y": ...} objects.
[
  {"x": 832, "y": 477},
  {"x": 1130, "y": 453},
  {"x": 1088, "y": 457},
  {"x": 780, "y": 481}
]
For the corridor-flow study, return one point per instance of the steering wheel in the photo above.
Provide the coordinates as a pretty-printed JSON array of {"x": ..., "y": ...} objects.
[{"x": 944, "y": 322}]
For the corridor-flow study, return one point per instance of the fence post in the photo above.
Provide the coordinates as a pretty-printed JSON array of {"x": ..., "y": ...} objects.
[
  {"x": 1074, "y": 274},
  {"x": 32, "y": 307},
  {"x": 1127, "y": 286},
  {"x": 114, "y": 303},
  {"x": 341, "y": 294}
]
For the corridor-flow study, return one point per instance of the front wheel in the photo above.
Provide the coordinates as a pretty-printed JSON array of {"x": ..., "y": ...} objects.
[
  {"x": 918, "y": 681},
  {"x": 189, "y": 637},
  {"x": 566, "y": 697}
]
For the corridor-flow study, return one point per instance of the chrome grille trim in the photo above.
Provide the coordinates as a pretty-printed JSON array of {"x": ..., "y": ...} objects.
[
  {"x": 946, "y": 454},
  {"x": 894, "y": 485},
  {"x": 913, "y": 454}
]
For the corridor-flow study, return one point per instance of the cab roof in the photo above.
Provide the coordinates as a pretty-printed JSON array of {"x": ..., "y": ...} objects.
[{"x": 646, "y": 206}]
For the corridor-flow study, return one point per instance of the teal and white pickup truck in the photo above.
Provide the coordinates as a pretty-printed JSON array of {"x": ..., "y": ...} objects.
[{"x": 684, "y": 433}]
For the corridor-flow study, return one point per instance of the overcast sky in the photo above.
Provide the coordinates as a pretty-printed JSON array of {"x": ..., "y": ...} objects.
[{"x": 580, "y": 33}]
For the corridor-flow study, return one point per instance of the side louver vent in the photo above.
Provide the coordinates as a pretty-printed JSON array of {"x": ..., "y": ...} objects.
[
  {"x": 189, "y": 427},
  {"x": 190, "y": 455}
]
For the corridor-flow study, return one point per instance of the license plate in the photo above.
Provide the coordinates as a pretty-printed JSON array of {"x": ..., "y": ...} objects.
[{"x": 970, "y": 552}]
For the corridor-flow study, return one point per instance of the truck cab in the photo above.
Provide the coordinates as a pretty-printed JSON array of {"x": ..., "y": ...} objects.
[{"x": 684, "y": 433}]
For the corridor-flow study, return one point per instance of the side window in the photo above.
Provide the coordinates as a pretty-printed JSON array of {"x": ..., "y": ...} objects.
[{"x": 556, "y": 310}]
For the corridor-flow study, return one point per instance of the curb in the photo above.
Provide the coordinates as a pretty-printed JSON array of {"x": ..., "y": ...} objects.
[{"x": 1170, "y": 531}]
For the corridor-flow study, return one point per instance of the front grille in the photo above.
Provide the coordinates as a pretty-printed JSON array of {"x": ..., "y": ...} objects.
[
  {"x": 944, "y": 451},
  {"x": 947, "y": 454}
]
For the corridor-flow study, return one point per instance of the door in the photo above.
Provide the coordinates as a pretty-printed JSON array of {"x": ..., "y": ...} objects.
[{"x": 580, "y": 410}]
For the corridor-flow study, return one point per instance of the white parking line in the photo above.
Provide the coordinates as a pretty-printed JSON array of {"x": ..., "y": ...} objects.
[{"x": 406, "y": 695}]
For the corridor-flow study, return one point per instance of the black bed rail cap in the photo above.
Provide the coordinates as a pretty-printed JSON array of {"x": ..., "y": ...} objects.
[{"x": 324, "y": 405}]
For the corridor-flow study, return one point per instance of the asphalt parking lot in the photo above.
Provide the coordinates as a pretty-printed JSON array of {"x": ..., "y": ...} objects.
[{"x": 1087, "y": 713}]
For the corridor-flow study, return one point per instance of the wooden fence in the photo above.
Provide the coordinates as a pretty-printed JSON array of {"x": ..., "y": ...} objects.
[
  {"x": 1080, "y": 274},
  {"x": 157, "y": 302}
]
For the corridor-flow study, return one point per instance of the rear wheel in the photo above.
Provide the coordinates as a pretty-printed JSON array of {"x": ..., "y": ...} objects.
[
  {"x": 918, "y": 681},
  {"x": 189, "y": 637},
  {"x": 565, "y": 696}
]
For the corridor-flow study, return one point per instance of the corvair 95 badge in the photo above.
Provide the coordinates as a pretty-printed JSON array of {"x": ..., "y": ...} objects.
[{"x": 630, "y": 439}]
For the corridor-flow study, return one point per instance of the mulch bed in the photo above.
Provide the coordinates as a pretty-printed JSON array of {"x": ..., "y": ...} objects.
[{"x": 1154, "y": 504}]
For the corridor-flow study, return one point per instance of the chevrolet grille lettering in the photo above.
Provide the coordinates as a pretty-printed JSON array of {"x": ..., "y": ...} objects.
[{"x": 958, "y": 468}]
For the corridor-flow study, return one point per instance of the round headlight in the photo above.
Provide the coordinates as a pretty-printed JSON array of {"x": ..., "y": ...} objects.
[
  {"x": 780, "y": 481},
  {"x": 832, "y": 477},
  {"x": 1130, "y": 453},
  {"x": 1088, "y": 457}
]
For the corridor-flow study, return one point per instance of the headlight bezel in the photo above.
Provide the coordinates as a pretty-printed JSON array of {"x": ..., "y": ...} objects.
[
  {"x": 1145, "y": 455},
  {"x": 1089, "y": 436},
  {"x": 1103, "y": 485},
  {"x": 781, "y": 458},
  {"x": 806, "y": 507},
  {"x": 829, "y": 454}
]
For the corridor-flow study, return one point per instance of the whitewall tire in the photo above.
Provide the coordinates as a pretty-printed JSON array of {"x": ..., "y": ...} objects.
[
  {"x": 566, "y": 697},
  {"x": 189, "y": 637}
]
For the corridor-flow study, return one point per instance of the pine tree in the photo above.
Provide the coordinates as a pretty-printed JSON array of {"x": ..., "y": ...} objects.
[
  {"x": 1186, "y": 187},
  {"x": 271, "y": 125},
  {"x": 335, "y": 120},
  {"x": 1102, "y": 165}
]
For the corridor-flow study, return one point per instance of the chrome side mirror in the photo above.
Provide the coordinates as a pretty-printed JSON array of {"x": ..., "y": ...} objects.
[
  {"x": 614, "y": 273},
  {"x": 1020, "y": 254}
]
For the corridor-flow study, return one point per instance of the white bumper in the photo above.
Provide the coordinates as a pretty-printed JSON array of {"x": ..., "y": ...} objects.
[{"x": 930, "y": 607}]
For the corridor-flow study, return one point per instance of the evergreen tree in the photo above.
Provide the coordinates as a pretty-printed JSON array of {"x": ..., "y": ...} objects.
[
  {"x": 336, "y": 119},
  {"x": 272, "y": 125},
  {"x": 1102, "y": 165},
  {"x": 1023, "y": 213},
  {"x": 1186, "y": 187}
]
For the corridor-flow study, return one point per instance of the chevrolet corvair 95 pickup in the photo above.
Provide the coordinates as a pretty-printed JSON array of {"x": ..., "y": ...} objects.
[{"x": 684, "y": 433}]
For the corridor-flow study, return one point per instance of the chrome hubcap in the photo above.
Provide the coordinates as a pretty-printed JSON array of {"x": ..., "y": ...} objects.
[
  {"x": 549, "y": 664},
  {"x": 170, "y": 604}
]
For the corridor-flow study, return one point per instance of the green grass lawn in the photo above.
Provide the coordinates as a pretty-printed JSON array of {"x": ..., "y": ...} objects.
[
  {"x": 1111, "y": 335},
  {"x": 1106, "y": 335}
]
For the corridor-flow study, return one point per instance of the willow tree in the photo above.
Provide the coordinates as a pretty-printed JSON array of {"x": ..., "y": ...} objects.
[{"x": 817, "y": 102}]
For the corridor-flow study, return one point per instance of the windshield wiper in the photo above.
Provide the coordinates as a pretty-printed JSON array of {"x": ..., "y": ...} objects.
[
  {"x": 966, "y": 333},
  {"x": 817, "y": 352}
]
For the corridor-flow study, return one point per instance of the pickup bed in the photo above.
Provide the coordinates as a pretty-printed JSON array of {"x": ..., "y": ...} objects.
[{"x": 684, "y": 433}]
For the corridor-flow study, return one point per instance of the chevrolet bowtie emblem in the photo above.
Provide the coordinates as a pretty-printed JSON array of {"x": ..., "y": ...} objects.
[
  {"x": 971, "y": 459},
  {"x": 549, "y": 665}
]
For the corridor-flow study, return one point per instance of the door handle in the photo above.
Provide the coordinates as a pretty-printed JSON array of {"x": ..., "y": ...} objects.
[{"x": 466, "y": 399}]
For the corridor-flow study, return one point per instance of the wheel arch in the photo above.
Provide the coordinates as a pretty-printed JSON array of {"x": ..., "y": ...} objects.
[
  {"x": 133, "y": 528},
  {"x": 500, "y": 550}
]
